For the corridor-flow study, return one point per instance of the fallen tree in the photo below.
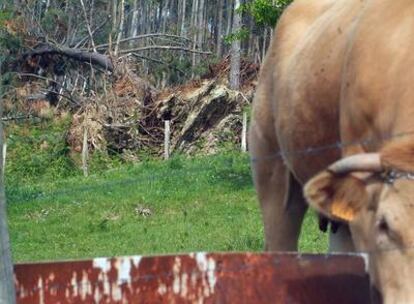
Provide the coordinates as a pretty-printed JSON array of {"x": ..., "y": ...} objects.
[{"x": 203, "y": 114}]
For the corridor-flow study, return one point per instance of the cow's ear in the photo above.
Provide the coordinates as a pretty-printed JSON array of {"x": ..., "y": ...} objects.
[
  {"x": 399, "y": 154},
  {"x": 338, "y": 197}
]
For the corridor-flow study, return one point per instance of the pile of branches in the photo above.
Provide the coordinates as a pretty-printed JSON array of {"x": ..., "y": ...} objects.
[
  {"x": 126, "y": 115},
  {"x": 203, "y": 114}
]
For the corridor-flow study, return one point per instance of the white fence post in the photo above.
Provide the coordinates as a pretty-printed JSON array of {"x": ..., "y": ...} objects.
[
  {"x": 85, "y": 151},
  {"x": 244, "y": 133},
  {"x": 167, "y": 131}
]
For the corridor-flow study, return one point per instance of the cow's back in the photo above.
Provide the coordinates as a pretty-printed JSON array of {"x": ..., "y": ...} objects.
[
  {"x": 307, "y": 58},
  {"x": 291, "y": 30},
  {"x": 378, "y": 100}
]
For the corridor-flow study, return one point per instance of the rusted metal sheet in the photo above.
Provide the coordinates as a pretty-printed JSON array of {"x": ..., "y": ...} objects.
[{"x": 197, "y": 278}]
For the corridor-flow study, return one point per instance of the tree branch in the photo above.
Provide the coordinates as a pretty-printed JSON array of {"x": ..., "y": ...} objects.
[
  {"x": 105, "y": 45},
  {"x": 88, "y": 25},
  {"x": 165, "y": 47},
  {"x": 75, "y": 54}
]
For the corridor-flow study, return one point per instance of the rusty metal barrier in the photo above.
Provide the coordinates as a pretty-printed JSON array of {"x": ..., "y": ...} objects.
[{"x": 197, "y": 278}]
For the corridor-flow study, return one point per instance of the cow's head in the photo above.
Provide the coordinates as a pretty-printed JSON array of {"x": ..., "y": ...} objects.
[{"x": 374, "y": 194}]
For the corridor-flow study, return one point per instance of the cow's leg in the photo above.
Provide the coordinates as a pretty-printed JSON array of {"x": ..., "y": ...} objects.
[
  {"x": 341, "y": 240},
  {"x": 280, "y": 196}
]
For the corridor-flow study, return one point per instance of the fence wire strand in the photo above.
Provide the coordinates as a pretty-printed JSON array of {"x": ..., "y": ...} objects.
[{"x": 26, "y": 194}]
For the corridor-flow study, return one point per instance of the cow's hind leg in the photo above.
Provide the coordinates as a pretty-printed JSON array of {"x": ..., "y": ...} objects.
[{"x": 280, "y": 195}]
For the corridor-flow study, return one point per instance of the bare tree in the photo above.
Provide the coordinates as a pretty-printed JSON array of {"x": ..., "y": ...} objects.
[
  {"x": 219, "y": 41},
  {"x": 235, "y": 50},
  {"x": 121, "y": 26}
]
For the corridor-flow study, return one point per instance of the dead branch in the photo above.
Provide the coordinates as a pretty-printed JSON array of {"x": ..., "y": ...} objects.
[
  {"x": 105, "y": 45},
  {"x": 75, "y": 54},
  {"x": 98, "y": 28},
  {"x": 165, "y": 47},
  {"x": 19, "y": 117},
  {"x": 64, "y": 96},
  {"x": 88, "y": 25}
]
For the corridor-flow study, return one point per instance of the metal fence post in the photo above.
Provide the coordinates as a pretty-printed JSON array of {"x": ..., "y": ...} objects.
[{"x": 7, "y": 291}]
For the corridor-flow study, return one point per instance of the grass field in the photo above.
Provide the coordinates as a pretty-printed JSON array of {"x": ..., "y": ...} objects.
[{"x": 156, "y": 207}]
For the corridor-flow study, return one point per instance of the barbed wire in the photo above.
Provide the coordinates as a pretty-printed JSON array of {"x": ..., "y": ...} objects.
[
  {"x": 39, "y": 195},
  {"x": 152, "y": 178},
  {"x": 336, "y": 145},
  {"x": 300, "y": 152},
  {"x": 30, "y": 194}
]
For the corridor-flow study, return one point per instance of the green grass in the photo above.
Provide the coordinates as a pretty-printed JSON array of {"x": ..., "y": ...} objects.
[{"x": 201, "y": 204}]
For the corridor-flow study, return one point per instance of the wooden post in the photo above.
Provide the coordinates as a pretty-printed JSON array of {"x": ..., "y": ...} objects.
[
  {"x": 85, "y": 151},
  {"x": 4, "y": 158},
  {"x": 7, "y": 291},
  {"x": 244, "y": 133},
  {"x": 167, "y": 131}
]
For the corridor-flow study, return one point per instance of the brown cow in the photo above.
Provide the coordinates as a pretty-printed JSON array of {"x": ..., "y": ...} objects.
[{"x": 341, "y": 71}]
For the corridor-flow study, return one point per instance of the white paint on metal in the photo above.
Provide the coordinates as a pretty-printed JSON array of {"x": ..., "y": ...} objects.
[
  {"x": 184, "y": 287},
  {"x": 211, "y": 274},
  {"x": 97, "y": 295},
  {"x": 41, "y": 291},
  {"x": 193, "y": 279},
  {"x": 106, "y": 287},
  {"x": 136, "y": 260},
  {"x": 74, "y": 283},
  {"x": 162, "y": 289},
  {"x": 207, "y": 267},
  {"x": 201, "y": 258},
  {"x": 85, "y": 287},
  {"x": 176, "y": 273},
  {"x": 116, "y": 292},
  {"x": 124, "y": 270},
  {"x": 365, "y": 256},
  {"x": 104, "y": 264}
]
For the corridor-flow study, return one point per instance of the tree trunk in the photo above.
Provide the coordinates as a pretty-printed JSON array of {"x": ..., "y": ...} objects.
[
  {"x": 235, "y": 50},
  {"x": 183, "y": 31},
  {"x": 200, "y": 27},
  {"x": 195, "y": 31},
  {"x": 165, "y": 16},
  {"x": 121, "y": 26},
  {"x": 219, "y": 40},
  {"x": 133, "y": 30}
]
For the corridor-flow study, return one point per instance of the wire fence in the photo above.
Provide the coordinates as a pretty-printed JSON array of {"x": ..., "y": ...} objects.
[{"x": 31, "y": 193}]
